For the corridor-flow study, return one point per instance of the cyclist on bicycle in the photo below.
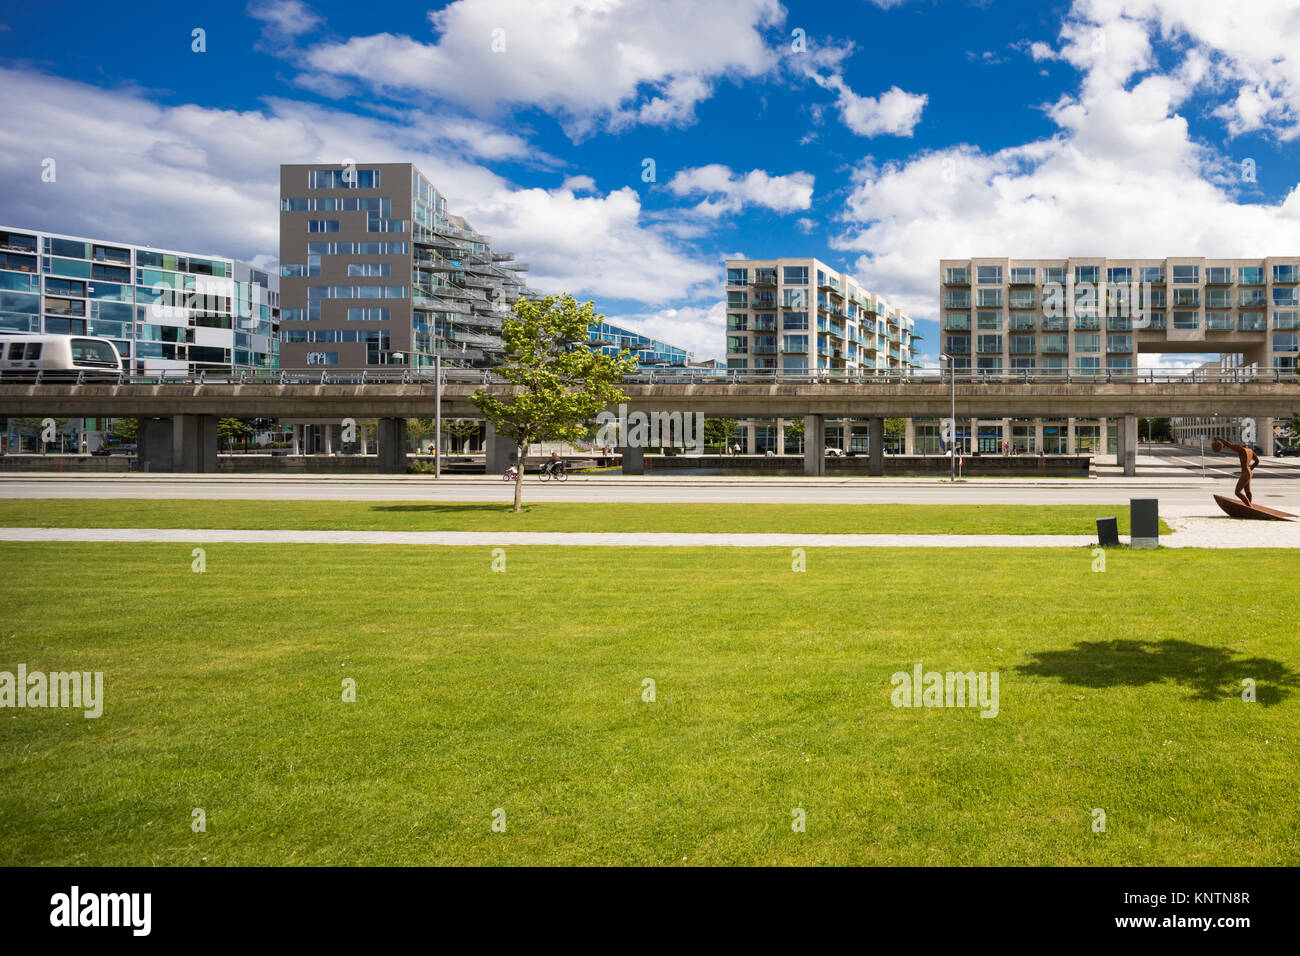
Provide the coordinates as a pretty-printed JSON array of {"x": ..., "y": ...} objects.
[{"x": 555, "y": 465}]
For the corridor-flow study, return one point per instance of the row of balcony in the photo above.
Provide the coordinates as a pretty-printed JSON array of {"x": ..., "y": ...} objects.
[{"x": 1214, "y": 275}]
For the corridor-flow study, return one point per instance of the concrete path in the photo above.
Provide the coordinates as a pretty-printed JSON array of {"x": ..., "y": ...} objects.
[
  {"x": 1177, "y": 495},
  {"x": 1192, "y": 533}
]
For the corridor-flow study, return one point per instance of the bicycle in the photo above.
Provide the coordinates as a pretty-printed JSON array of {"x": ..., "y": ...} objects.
[{"x": 556, "y": 470}]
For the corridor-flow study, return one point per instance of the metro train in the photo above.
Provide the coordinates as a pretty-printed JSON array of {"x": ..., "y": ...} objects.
[{"x": 57, "y": 357}]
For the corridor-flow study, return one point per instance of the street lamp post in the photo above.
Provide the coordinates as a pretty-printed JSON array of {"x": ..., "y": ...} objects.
[
  {"x": 437, "y": 416},
  {"x": 952, "y": 441}
]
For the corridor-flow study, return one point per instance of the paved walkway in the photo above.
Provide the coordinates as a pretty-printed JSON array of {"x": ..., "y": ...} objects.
[{"x": 1192, "y": 533}]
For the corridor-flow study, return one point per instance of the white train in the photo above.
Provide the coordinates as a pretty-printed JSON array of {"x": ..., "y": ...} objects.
[{"x": 57, "y": 357}]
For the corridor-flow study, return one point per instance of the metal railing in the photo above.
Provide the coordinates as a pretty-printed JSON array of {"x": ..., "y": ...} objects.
[{"x": 666, "y": 376}]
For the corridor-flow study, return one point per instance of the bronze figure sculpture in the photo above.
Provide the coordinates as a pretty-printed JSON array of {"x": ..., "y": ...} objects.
[{"x": 1249, "y": 462}]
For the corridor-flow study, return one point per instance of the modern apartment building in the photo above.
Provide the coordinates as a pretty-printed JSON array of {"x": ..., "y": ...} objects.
[
  {"x": 609, "y": 339},
  {"x": 165, "y": 310},
  {"x": 801, "y": 316},
  {"x": 375, "y": 271},
  {"x": 1094, "y": 316}
]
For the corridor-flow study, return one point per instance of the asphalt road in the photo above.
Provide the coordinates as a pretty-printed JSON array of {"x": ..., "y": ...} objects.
[{"x": 1177, "y": 494}]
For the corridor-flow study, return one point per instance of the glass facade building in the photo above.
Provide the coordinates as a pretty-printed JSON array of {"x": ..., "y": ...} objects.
[
  {"x": 376, "y": 271},
  {"x": 165, "y": 310},
  {"x": 611, "y": 339}
]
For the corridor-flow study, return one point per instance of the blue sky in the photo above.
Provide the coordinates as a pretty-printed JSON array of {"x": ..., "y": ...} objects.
[{"x": 878, "y": 136}]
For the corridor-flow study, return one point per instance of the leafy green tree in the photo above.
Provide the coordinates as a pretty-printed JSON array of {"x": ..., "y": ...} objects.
[
  {"x": 34, "y": 427},
  {"x": 459, "y": 430},
  {"x": 125, "y": 430},
  {"x": 1156, "y": 429},
  {"x": 230, "y": 430},
  {"x": 560, "y": 383},
  {"x": 718, "y": 431}
]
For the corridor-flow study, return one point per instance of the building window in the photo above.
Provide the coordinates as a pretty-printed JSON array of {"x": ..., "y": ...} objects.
[
  {"x": 1286, "y": 320},
  {"x": 367, "y": 315},
  {"x": 988, "y": 298},
  {"x": 343, "y": 179},
  {"x": 1250, "y": 275},
  {"x": 795, "y": 343},
  {"x": 737, "y": 277},
  {"x": 1218, "y": 275},
  {"x": 1026, "y": 275},
  {"x": 1088, "y": 274},
  {"x": 369, "y": 269},
  {"x": 1187, "y": 275},
  {"x": 795, "y": 321},
  {"x": 988, "y": 275},
  {"x": 1286, "y": 273},
  {"x": 1088, "y": 342},
  {"x": 989, "y": 321},
  {"x": 956, "y": 275},
  {"x": 1187, "y": 320},
  {"x": 322, "y": 225},
  {"x": 322, "y": 358},
  {"x": 1119, "y": 274},
  {"x": 795, "y": 275}
]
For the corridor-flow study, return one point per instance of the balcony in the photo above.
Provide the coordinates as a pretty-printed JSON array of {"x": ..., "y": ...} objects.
[
  {"x": 956, "y": 300},
  {"x": 959, "y": 323},
  {"x": 1252, "y": 323},
  {"x": 1218, "y": 321},
  {"x": 763, "y": 302},
  {"x": 1215, "y": 275},
  {"x": 1286, "y": 274},
  {"x": 1252, "y": 297},
  {"x": 764, "y": 277}
]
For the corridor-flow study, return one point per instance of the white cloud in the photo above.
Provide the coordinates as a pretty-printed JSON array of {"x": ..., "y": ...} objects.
[
  {"x": 207, "y": 180},
  {"x": 1255, "y": 50},
  {"x": 283, "y": 22},
  {"x": 588, "y": 62},
  {"x": 726, "y": 192},
  {"x": 591, "y": 245},
  {"x": 1122, "y": 176},
  {"x": 896, "y": 112}
]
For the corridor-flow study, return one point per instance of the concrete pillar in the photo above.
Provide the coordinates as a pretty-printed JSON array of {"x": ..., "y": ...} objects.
[
  {"x": 1264, "y": 435},
  {"x": 363, "y": 431},
  {"x": 1069, "y": 436},
  {"x": 876, "y": 445},
  {"x": 909, "y": 438},
  {"x": 633, "y": 460},
  {"x": 751, "y": 442},
  {"x": 780, "y": 436},
  {"x": 846, "y": 434},
  {"x": 1127, "y": 449},
  {"x": 1038, "y": 436},
  {"x": 295, "y": 439},
  {"x": 194, "y": 443},
  {"x": 154, "y": 445},
  {"x": 329, "y": 438},
  {"x": 499, "y": 453},
  {"x": 814, "y": 445},
  {"x": 392, "y": 446}
]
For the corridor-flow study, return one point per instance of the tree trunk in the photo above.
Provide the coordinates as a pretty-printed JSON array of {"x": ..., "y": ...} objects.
[{"x": 519, "y": 481}]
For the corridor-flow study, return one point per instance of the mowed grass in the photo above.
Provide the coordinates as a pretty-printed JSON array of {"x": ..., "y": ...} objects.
[
  {"x": 522, "y": 691},
  {"x": 559, "y": 516}
]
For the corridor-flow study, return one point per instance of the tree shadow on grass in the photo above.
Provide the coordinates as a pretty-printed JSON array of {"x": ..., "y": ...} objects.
[
  {"x": 1211, "y": 673},
  {"x": 446, "y": 509}
]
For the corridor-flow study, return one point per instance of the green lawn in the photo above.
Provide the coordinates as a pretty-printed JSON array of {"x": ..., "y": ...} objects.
[
  {"x": 522, "y": 691},
  {"x": 559, "y": 516}
]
